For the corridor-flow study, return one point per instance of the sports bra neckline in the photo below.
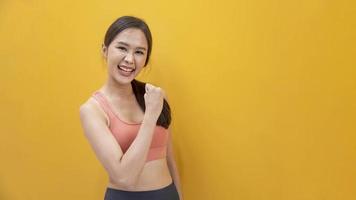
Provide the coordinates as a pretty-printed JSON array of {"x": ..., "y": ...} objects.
[{"x": 112, "y": 111}]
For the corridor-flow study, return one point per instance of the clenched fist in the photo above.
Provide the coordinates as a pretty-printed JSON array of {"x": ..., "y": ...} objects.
[{"x": 153, "y": 100}]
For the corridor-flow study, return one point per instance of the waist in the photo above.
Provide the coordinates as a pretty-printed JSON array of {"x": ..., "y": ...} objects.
[{"x": 154, "y": 175}]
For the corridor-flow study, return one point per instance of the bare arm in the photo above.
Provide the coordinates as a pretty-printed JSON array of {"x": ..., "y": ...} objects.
[
  {"x": 123, "y": 169},
  {"x": 171, "y": 161},
  {"x": 172, "y": 166}
]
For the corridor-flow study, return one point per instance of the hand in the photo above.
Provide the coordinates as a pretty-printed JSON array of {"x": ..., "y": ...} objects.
[{"x": 153, "y": 100}]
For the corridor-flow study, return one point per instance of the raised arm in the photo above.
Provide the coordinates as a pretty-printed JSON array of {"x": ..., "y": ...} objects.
[{"x": 123, "y": 169}]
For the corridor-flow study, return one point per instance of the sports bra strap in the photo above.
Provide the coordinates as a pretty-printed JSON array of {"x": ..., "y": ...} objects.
[{"x": 104, "y": 104}]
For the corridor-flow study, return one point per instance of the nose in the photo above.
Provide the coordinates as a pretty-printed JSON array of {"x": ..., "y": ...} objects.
[{"x": 128, "y": 58}]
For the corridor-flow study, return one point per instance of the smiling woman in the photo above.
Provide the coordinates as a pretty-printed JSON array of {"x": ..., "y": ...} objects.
[
  {"x": 127, "y": 52},
  {"x": 127, "y": 121}
]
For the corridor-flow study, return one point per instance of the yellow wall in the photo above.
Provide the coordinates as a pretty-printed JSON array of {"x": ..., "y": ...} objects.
[{"x": 263, "y": 94}]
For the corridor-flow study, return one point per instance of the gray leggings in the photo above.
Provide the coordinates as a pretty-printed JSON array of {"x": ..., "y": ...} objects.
[{"x": 167, "y": 193}]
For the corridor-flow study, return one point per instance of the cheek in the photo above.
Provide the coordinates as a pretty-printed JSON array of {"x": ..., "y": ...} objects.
[
  {"x": 114, "y": 56},
  {"x": 142, "y": 60}
]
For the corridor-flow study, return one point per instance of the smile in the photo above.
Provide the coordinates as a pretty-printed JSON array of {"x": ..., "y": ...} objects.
[{"x": 126, "y": 69}]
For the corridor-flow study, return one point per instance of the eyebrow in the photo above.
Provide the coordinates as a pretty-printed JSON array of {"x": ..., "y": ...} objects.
[{"x": 124, "y": 43}]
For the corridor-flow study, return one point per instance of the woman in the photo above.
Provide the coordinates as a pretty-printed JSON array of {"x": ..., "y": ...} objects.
[{"x": 127, "y": 121}]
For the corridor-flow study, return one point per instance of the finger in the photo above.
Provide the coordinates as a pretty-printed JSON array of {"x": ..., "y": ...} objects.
[{"x": 147, "y": 87}]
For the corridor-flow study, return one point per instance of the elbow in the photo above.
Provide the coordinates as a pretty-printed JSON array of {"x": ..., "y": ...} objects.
[
  {"x": 123, "y": 176},
  {"x": 124, "y": 181}
]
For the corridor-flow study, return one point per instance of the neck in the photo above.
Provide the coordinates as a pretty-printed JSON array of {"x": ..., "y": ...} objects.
[{"x": 118, "y": 91}]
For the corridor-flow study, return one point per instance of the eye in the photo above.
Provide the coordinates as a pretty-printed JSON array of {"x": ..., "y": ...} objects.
[
  {"x": 122, "y": 48},
  {"x": 140, "y": 52}
]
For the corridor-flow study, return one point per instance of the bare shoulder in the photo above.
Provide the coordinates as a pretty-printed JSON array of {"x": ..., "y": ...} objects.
[
  {"x": 99, "y": 136},
  {"x": 91, "y": 109},
  {"x": 89, "y": 105}
]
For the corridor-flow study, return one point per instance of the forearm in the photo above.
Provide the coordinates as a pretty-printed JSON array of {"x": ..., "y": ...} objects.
[{"x": 134, "y": 159}]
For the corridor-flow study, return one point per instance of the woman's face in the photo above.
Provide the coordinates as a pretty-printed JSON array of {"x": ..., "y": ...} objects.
[{"x": 126, "y": 55}]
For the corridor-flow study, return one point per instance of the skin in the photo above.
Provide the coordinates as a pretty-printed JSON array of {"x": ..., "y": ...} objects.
[{"x": 128, "y": 171}]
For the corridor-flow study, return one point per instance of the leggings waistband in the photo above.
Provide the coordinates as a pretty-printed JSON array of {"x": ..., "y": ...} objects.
[{"x": 166, "y": 193}]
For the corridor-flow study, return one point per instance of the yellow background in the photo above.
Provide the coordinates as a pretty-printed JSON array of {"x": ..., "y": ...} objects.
[{"x": 263, "y": 95}]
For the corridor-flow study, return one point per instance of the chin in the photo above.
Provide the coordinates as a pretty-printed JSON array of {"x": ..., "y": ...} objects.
[{"x": 124, "y": 80}]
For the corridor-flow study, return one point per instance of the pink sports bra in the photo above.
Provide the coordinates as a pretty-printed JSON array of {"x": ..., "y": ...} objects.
[{"x": 125, "y": 133}]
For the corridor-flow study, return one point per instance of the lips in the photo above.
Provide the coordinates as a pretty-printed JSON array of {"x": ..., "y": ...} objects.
[
  {"x": 125, "y": 68},
  {"x": 126, "y": 71}
]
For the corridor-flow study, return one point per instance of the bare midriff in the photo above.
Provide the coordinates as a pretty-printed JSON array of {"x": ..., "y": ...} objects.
[{"x": 155, "y": 175}]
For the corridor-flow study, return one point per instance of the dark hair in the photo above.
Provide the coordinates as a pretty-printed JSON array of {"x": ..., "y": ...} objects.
[
  {"x": 138, "y": 87},
  {"x": 125, "y": 22}
]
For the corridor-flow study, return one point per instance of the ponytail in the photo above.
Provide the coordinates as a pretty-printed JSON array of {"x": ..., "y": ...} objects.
[{"x": 164, "y": 119}]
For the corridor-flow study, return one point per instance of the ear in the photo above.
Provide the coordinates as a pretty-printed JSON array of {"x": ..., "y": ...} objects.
[{"x": 104, "y": 50}]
